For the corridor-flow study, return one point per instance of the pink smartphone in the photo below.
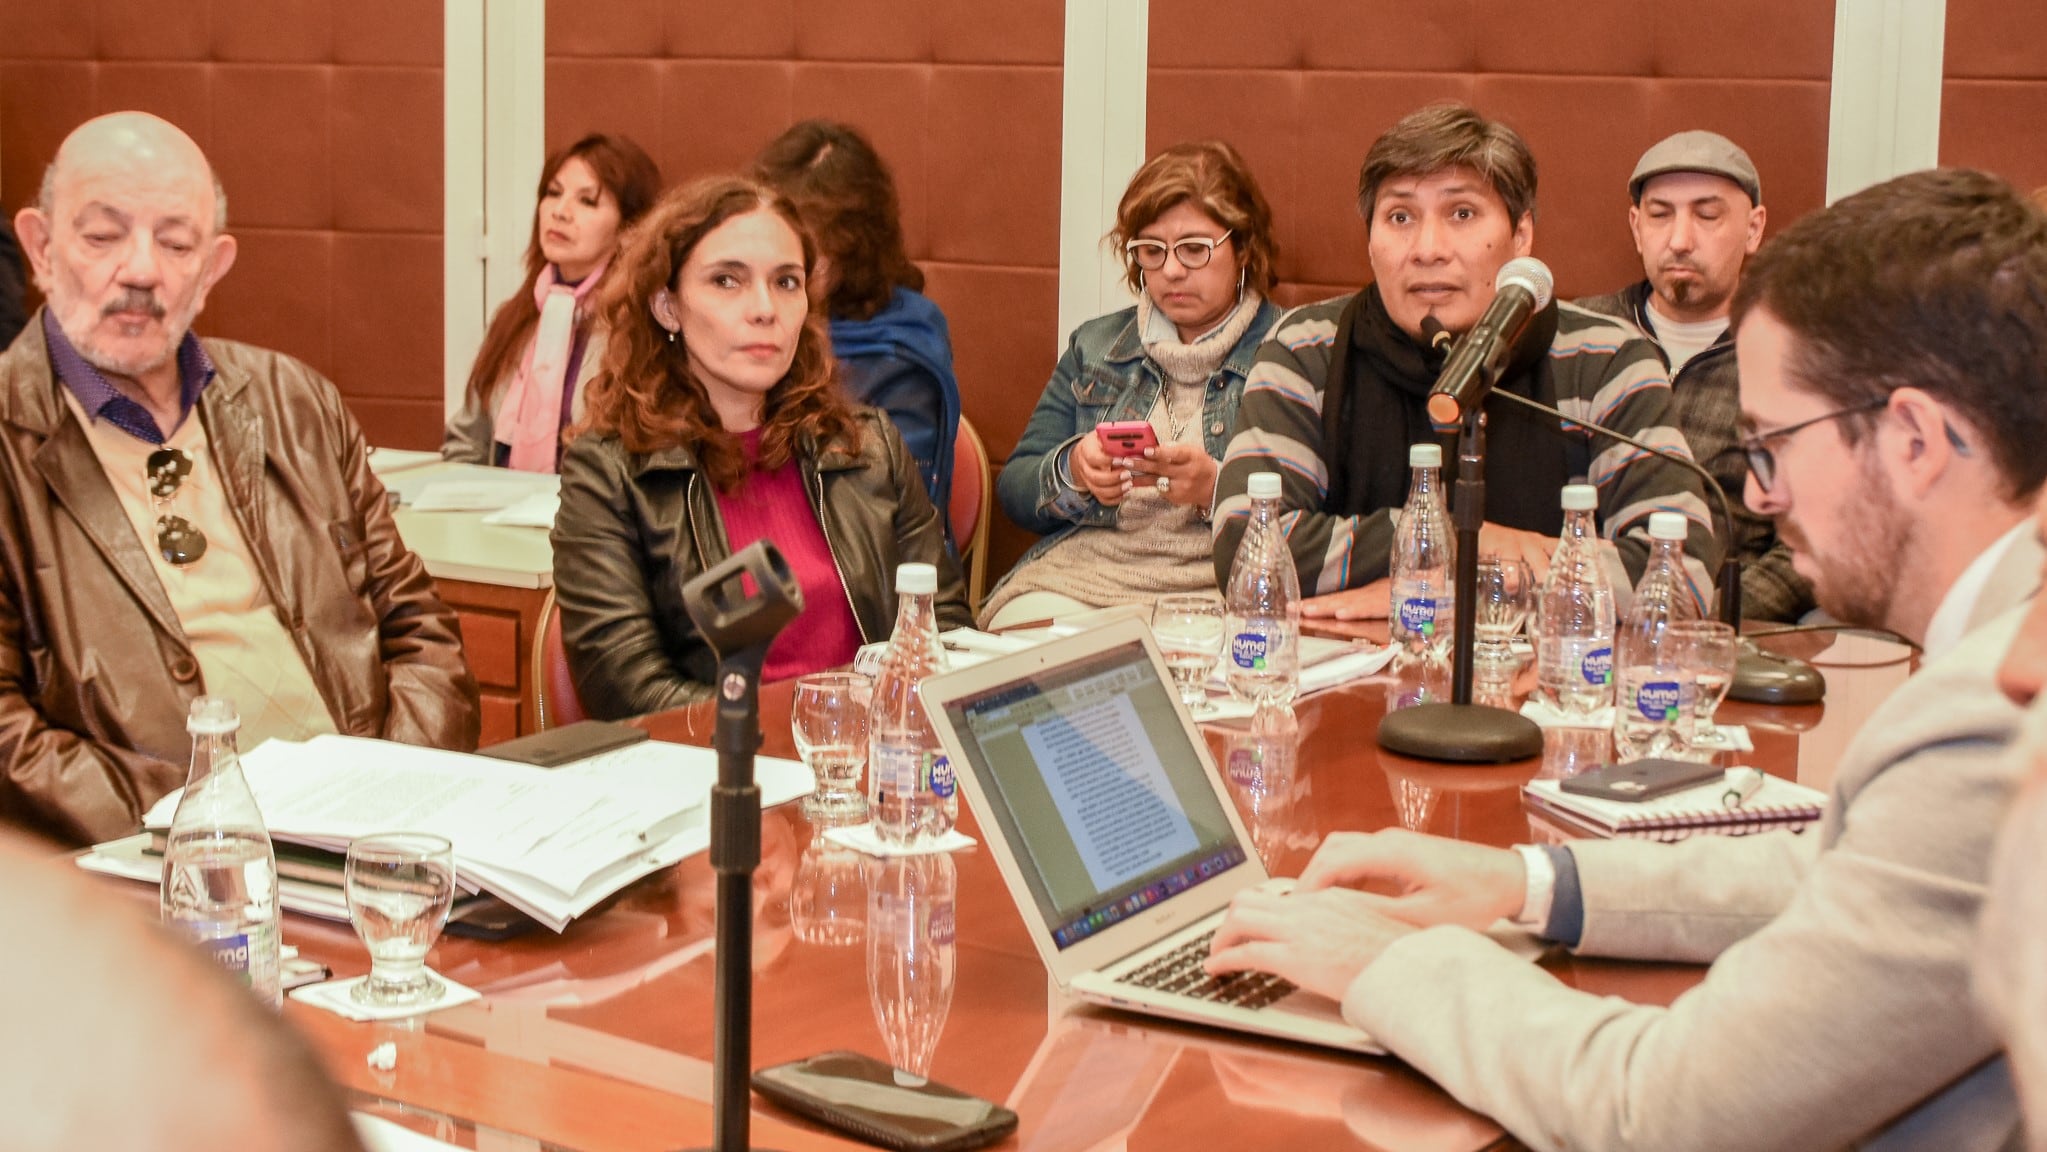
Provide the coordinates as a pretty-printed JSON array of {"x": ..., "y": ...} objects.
[{"x": 1126, "y": 438}]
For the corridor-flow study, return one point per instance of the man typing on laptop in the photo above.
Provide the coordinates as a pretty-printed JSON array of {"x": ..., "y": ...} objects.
[{"x": 1893, "y": 357}]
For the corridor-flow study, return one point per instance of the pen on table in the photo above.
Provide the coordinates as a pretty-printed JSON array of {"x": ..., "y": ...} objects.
[{"x": 1742, "y": 786}]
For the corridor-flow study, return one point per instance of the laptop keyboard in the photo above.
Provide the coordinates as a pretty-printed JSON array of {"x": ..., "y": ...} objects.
[{"x": 1180, "y": 972}]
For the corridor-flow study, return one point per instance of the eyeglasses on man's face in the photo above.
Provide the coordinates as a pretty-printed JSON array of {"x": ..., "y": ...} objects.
[
  {"x": 1192, "y": 252},
  {"x": 1762, "y": 460}
]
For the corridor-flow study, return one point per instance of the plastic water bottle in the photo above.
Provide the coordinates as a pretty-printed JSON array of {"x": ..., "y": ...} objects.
[
  {"x": 912, "y": 955},
  {"x": 1264, "y": 605},
  {"x": 1423, "y": 611},
  {"x": 219, "y": 871},
  {"x": 1653, "y": 696},
  {"x": 910, "y": 781},
  {"x": 1574, "y": 619}
]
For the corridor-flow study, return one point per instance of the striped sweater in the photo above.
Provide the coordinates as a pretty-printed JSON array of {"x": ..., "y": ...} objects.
[{"x": 1604, "y": 371}]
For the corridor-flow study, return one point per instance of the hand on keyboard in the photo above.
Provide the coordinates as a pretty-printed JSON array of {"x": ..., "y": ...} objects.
[{"x": 1317, "y": 940}]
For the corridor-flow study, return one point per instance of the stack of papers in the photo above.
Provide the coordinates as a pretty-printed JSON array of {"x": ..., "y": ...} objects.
[{"x": 551, "y": 842}]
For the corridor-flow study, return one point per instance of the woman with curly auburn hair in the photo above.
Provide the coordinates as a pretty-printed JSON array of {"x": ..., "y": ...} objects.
[
  {"x": 543, "y": 345},
  {"x": 893, "y": 347},
  {"x": 1198, "y": 249},
  {"x": 717, "y": 422}
]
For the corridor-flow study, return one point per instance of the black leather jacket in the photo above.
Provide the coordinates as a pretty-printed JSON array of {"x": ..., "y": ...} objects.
[{"x": 634, "y": 528}]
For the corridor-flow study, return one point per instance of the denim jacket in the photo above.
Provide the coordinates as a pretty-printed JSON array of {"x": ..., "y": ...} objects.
[{"x": 1105, "y": 375}]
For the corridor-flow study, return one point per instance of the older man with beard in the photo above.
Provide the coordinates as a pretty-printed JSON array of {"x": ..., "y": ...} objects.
[
  {"x": 1894, "y": 392},
  {"x": 182, "y": 517}
]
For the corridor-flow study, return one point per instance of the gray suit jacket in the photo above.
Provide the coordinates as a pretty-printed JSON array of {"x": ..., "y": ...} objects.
[{"x": 1837, "y": 1010}]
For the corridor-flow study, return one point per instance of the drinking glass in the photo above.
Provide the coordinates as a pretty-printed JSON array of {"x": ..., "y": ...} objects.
[
  {"x": 1189, "y": 629},
  {"x": 1707, "y": 651},
  {"x": 399, "y": 886},
  {"x": 1505, "y": 593},
  {"x": 829, "y": 723}
]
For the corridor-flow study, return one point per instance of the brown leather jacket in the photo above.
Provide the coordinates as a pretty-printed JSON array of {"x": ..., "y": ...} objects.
[
  {"x": 634, "y": 528},
  {"x": 96, "y": 676}
]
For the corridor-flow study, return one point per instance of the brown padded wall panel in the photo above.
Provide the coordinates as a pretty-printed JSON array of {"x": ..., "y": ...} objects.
[
  {"x": 718, "y": 113},
  {"x": 1993, "y": 108},
  {"x": 279, "y": 294},
  {"x": 322, "y": 119},
  {"x": 962, "y": 99},
  {"x": 1013, "y": 32},
  {"x": 594, "y": 94},
  {"x": 1744, "y": 39},
  {"x": 868, "y": 30},
  {"x": 1995, "y": 40},
  {"x": 1565, "y": 37},
  {"x": 1590, "y": 83},
  {"x": 1440, "y": 36},
  {"x": 994, "y": 165},
  {"x": 151, "y": 30},
  {"x": 1592, "y": 129},
  {"x": 1997, "y": 125},
  {"x": 722, "y": 30}
]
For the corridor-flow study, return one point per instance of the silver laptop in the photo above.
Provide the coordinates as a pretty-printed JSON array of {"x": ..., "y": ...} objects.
[{"x": 1102, "y": 807}]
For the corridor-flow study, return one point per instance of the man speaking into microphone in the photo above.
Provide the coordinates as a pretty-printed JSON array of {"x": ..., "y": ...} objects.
[{"x": 1341, "y": 388}]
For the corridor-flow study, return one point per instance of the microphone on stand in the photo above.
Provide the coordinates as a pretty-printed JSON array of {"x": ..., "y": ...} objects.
[
  {"x": 739, "y": 606},
  {"x": 1523, "y": 287}
]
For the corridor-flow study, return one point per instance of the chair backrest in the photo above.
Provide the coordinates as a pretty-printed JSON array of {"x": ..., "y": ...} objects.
[
  {"x": 973, "y": 486},
  {"x": 555, "y": 702}
]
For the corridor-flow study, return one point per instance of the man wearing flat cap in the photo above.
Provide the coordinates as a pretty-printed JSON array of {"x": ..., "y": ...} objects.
[{"x": 1697, "y": 215}]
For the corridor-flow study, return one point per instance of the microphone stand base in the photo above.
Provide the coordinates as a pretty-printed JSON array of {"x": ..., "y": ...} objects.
[
  {"x": 1460, "y": 734},
  {"x": 1762, "y": 677}
]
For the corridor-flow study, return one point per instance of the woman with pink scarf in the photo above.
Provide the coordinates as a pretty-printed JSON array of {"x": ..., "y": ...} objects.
[{"x": 542, "y": 347}]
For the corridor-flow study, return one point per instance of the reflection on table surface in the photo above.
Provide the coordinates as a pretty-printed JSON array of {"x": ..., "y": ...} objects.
[{"x": 601, "y": 1037}]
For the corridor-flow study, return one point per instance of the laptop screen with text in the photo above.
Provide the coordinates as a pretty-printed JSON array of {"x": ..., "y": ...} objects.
[{"x": 1094, "y": 779}]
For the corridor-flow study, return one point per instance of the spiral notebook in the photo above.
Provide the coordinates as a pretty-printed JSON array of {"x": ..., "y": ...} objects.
[{"x": 1695, "y": 811}]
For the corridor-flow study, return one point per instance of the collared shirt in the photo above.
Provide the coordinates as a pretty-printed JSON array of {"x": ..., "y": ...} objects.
[
  {"x": 1951, "y": 620},
  {"x": 102, "y": 401}
]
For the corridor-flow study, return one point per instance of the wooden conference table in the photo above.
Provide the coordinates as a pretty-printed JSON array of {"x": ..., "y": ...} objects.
[{"x": 600, "y": 1039}]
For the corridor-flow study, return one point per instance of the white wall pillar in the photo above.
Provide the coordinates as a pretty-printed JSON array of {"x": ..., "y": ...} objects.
[
  {"x": 1885, "y": 114},
  {"x": 494, "y": 142},
  {"x": 1101, "y": 145}
]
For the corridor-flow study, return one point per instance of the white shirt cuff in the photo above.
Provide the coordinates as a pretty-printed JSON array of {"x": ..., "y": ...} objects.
[{"x": 1541, "y": 890}]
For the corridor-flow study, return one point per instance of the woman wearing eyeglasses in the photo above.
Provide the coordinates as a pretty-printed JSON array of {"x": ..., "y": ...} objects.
[{"x": 1198, "y": 247}]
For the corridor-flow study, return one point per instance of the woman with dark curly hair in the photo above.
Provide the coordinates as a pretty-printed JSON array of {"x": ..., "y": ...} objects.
[
  {"x": 893, "y": 348},
  {"x": 527, "y": 385},
  {"x": 1198, "y": 249},
  {"x": 717, "y": 422}
]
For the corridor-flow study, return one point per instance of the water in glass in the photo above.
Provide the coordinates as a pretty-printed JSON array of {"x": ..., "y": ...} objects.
[
  {"x": 399, "y": 886},
  {"x": 828, "y": 721},
  {"x": 1189, "y": 629},
  {"x": 1709, "y": 651}
]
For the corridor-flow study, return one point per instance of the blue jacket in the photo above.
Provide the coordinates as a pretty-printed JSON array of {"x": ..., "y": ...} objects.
[
  {"x": 1105, "y": 375},
  {"x": 900, "y": 361}
]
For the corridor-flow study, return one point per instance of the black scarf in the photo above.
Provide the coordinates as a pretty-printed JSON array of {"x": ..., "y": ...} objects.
[{"x": 1374, "y": 407}]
